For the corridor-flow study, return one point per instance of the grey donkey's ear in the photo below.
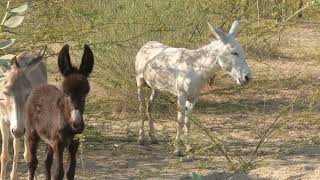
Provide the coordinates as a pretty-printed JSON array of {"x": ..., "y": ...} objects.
[
  {"x": 14, "y": 62},
  {"x": 38, "y": 57},
  {"x": 218, "y": 34},
  {"x": 40, "y": 53},
  {"x": 233, "y": 32}
]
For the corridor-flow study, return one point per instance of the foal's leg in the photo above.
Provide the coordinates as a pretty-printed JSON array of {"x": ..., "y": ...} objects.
[
  {"x": 181, "y": 104},
  {"x": 33, "y": 141},
  {"x": 73, "y": 148},
  {"x": 48, "y": 162},
  {"x": 5, "y": 153},
  {"x": 187, "y": 124},
  {"x": 16, "y": 148},
  {"x": 58, "y": 152},
  {"x": 140, "y": 83},
  {"x": 150, "y": 107}
]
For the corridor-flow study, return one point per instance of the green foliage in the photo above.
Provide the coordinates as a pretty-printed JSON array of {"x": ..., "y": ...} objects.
[{"x": 12, "y": 19}]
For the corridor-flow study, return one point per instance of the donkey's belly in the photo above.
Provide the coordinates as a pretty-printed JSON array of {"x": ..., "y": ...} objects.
[{"x": 161, "y": 79}]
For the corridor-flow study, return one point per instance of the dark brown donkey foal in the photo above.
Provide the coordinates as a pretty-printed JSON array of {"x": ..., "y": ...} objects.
[{"x": 55, "y": 115}]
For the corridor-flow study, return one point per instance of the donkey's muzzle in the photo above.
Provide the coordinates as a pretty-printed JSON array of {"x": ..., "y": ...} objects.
[
  {"x": 78, "y": 127},
  {"x": 17, "y": 133}
]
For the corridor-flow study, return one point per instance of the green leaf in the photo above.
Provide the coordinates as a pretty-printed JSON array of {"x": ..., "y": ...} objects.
[
  {"x": 20, "y": 10},
  {"x": 6, "y": 57},
  {"x": 5, "y": 60},
  {"x": 196, "y": 176},
  {"x": 13, "y": 21},
  {"x": 6, "y": 43}
]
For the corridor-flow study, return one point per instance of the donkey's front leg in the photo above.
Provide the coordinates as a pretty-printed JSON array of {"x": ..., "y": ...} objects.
[
  {"x": 33, "y": 141},
  {"x": 58, "y": 152},
  {"x": 187, "y": 124},
  {"x": 73, "y": 148},
  {"x": 16, "y": 149},
  {"x": 5, "y": 153},
  {"x": 181, "y": 104},
  {"x": 48, "y": 162}
]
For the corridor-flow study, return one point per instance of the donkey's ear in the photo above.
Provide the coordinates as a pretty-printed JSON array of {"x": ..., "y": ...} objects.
[
  {"x": 14, "y": 62},
  {"x": 64, "y": 63},
  {"x": 234, "y": 29},
  {"x": 87, "y": 62},
  {"x": 218, "y": 34},
  {"x": 40, "y": 53}
]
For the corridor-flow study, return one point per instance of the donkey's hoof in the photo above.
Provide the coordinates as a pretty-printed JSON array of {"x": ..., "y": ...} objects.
[
  {"x": 142, "y": 141},
  {"x": 178, "y": 153}
]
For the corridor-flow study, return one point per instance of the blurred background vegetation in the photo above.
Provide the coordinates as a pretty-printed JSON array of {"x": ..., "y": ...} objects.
[{"x": 116, "y": 29}]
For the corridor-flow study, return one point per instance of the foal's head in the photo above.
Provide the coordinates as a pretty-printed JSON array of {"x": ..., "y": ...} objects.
[
  {"x": 231, "y": 56},
  {"x": 75, "y": 86},
  {"x": 17, "y": 87}
]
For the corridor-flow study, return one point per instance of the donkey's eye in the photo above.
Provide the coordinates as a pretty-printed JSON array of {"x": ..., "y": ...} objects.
[{"x": 235, "y": 53}]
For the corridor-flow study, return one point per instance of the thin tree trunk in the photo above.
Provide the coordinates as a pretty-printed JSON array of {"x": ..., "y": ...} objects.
[{"x": 300, "y": 6}]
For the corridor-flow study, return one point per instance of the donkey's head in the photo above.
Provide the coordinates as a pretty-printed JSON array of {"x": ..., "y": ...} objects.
[
  {"x": 231, "y": 56},
  {"x": 75, "y": 86},
  {"x": 17, "y": 87}
]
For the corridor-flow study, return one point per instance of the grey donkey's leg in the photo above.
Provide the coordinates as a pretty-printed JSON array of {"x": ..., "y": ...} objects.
[
  {"x": 140, "y": 84},
  {"x": 16, "y": 148},
  {"x": 187, "y": 124},
  {"x": 181, "y": 104},
  {"x": 5, "y": 151},
  {"x": 150, "y": 107}
]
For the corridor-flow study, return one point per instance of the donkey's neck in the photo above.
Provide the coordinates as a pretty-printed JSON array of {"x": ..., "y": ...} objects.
[{"x": 206, "y": 63}]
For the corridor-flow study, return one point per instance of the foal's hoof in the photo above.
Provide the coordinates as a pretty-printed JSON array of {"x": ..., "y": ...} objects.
[{"x": 177, "y": 153}]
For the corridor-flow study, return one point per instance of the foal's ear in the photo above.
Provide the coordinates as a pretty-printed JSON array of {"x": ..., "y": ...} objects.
[
  {"x": 64, "y": 63},
  {"x": 87, "y": 61}
]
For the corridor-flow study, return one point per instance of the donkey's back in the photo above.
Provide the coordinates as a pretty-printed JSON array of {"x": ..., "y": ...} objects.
[{"x": 43, "y": 111}]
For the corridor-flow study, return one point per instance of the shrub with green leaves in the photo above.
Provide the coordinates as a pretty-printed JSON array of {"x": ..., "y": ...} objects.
[{"x": 13, "y": 17}]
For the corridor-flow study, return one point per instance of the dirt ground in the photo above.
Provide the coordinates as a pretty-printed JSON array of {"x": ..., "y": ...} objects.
[{"x": 238, "y": 115}]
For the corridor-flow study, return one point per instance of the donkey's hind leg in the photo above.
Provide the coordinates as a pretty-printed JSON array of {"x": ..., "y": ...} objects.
[
  {"x": 140, "y": 84},
  {"x": 48, "y": 162},
  {"x": 150, "y": 107},
  {"x": 5, "y": 153},
  {"x": 16, "y": 148},
  {"x": 33, "y": 141},
  {"x": 58, "y": 152},
  {"x": 73, "y": 148}
]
